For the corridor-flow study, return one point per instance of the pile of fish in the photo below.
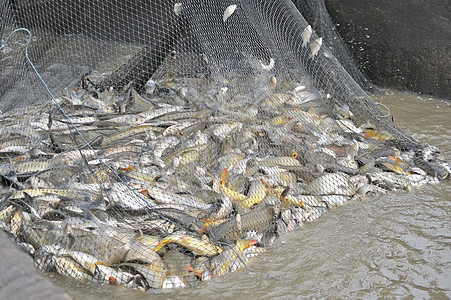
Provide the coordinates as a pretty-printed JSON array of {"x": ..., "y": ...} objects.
[{"x": 186, "y": 181}]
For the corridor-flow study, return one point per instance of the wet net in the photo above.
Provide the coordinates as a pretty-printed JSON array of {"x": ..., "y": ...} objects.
[{"x": 158, "y": 144}]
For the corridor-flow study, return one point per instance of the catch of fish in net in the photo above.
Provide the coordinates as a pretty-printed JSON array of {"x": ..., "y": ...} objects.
[
  {"x": 175, "y": 186},
  {"x": 170, "y": 181}
]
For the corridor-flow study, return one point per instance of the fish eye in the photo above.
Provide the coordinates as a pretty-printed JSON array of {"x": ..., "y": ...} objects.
[{"x": 294, "y": 155}]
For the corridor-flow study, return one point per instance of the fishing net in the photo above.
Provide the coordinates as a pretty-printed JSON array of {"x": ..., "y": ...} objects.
[{"x": 158, "y": 144}]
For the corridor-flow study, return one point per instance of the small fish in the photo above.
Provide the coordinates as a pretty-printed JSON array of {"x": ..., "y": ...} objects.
[
  {"x": 270, "y": 65},
  {"x": 228, "y": 12},
  {"x": 177, "y": 9},
  {"x": 306, "y": 34},
  {"x": 316, "y": 46}
]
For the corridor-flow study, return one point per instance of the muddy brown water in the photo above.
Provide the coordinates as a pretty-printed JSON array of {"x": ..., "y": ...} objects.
[{"x": 396, "y": 245}]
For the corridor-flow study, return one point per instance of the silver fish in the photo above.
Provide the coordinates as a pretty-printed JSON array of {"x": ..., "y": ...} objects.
[
  {"x": 316, "y": 46},
  {"x": 228, "y": 12},
  {"x": 177, "y": 9},
  {"x": 165, "y": 197},
  {"x": 122, "y": 196},
  {"x": 269, "y": 66},
  {"x": 306, "y": 34}
]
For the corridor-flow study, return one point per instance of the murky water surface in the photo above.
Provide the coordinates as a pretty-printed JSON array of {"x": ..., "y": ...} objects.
[{"x": 392, "y": 246}]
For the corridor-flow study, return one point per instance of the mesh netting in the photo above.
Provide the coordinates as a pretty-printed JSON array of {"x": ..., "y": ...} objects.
[
  {"x": 183, "y": 136},
  {"x": 315, "y": 13}
]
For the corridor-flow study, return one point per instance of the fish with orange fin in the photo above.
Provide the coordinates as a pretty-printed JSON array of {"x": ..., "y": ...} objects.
[
  {"x": 227, "y": 191},
  {"x": 210, "y": 223},
  {"x": 375, "y": 133},
  {"x": 395, "y": 164},
  {"x": 224, "y": 176}
]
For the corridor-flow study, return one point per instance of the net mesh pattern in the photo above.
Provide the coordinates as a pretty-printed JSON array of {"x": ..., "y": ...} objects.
[
  {"x": 315, "y": 13},
  {"x": 183, "y": 136}
]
